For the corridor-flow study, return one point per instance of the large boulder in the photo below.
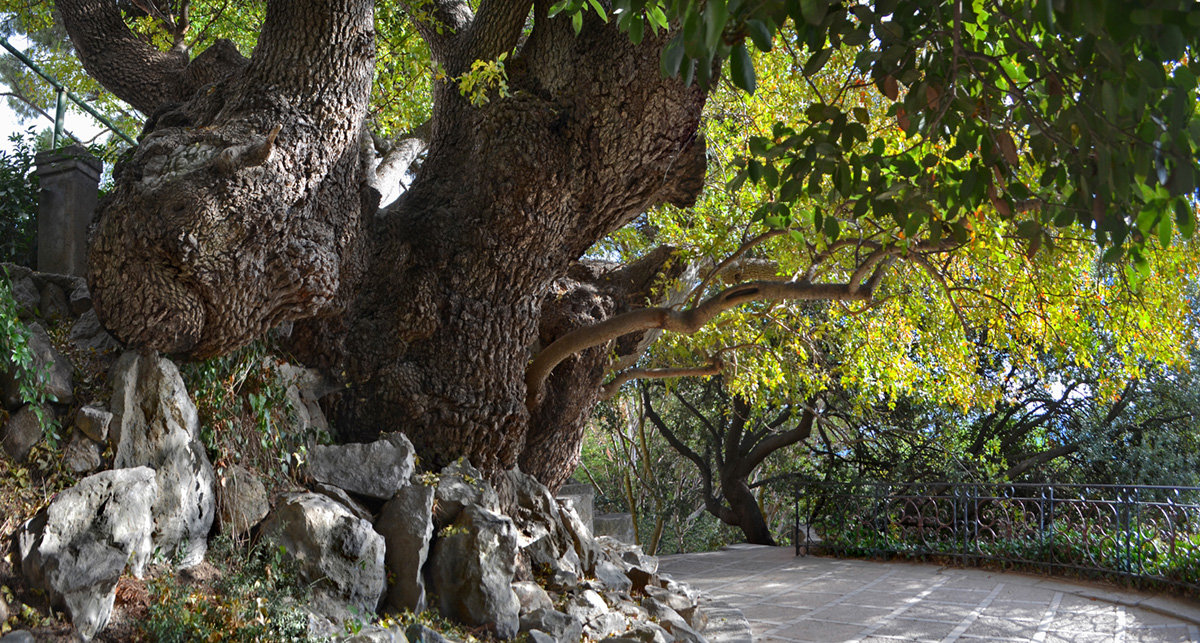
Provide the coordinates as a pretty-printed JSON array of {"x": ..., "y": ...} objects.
[
  {"x": 338, "y": 553},
  {"x": 155, "y": 425},
  {"x": 472, "y": 568},
  {"x": 406, "y": 524},
  {"x": 376, "y": 469},
  {"x": 76, "y": 548},
  {"x": 242, "y": 499}
]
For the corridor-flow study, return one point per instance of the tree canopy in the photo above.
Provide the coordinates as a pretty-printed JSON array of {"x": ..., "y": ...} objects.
[{"x": 870, "y": 192}]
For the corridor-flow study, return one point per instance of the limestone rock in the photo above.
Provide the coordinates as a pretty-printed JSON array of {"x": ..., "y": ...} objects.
[
  {"x": 26, "y": 295},
  {"x": 544, "y": 541},
  {"x": 337, "y": 552},
  {"x": 563, "y": 627},
  {"x": 531, "y": 596},
  {"x": 612, "y": 577},
  {"x": 77, "y": 547},
  {"x": 88, "y": 335},
  {"x": 376, "y": 634},
  {"x": 472, "y": 567},
  {"x": 587, "y": 606},
  {"x": 376, "y": 470},
  {"x": 582, "y": 496},
  {"x": 81, "y": 455},
  {"x": 155, "y": 425},
  {"x": 18, "y": 636},
  {"x": 93, "y": 421},
  {"x": 53, "y": 302},
  {"x": 406, "y": 524},
  {"x": 418, "y": 633},
  {"x": 337, "y": 494},
  {"x": 242, "y": 499},
  {"x": 460, "y": 485},
  {"x": 55, "y": 368},
  {"x": 21, "y": 431},
  {"x": 80, "y": 299},
  {"x": 581, "y": 537}
]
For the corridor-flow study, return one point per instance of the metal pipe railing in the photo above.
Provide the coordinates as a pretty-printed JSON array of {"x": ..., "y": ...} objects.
[
  {"x": 60, "y": 103},
  {"x": 1148, "y": 534}
]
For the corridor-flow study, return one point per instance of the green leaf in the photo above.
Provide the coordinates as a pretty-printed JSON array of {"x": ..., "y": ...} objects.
[
  {"x": 1185, "y": 217},
  {"x": 672, "y": 57},
  {"x": 599, "y": 9},
  {"x": 636, "y": 29},
  {"x": 715, "y": 17},
  {"x": 760, "y": 35},
  {"x": 817, "y": 61},
  {"x": 1164, "y": 230},
  {"x": 577, "y": 22},
  {"x": 658, "y": 19},
  {"x": 814, "y": 10},
  {"x": 742, "y": 69}
]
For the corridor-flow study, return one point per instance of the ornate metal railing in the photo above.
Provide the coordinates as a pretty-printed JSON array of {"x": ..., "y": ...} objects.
[{"x": 1147, "y": 534}]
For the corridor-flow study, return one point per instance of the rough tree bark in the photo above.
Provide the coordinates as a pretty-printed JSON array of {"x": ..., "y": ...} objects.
[{"x": 244, "y": 206}]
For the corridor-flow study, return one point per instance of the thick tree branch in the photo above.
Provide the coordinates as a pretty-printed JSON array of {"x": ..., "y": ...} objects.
[
  {"x": 778, "y": 441},
  {"x": 136, "y": 72},
  {"x": 439, "y": 22},
  {"x": 685, "y": 321},
  {"x": 495, "y": 29}
]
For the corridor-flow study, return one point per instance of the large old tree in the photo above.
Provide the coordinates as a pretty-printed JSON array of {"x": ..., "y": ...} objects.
[{"x": 461, "y": 313}]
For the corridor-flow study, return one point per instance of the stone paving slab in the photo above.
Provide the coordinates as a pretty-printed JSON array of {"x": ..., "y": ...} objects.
[{"x": 826, "y": 600}]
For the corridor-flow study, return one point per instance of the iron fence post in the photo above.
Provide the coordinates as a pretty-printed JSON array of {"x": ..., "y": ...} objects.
[{"x": 60, "y": 115}]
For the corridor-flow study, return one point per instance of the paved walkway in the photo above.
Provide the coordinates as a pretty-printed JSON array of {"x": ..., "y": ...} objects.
[{"x": 827, "y": 600}]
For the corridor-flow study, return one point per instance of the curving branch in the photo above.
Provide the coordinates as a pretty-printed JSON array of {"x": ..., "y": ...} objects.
[
  {"x": 496, "y": 29},
  {"x": 134, "y": 71},
  {"x": 684, "y": 321}
]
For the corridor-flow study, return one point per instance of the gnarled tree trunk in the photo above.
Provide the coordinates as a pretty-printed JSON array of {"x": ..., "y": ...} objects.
[{"x": 244, "y": 206}]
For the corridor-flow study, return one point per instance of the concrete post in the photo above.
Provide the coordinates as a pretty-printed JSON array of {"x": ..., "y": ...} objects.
[{"x": 68, "y": 180}]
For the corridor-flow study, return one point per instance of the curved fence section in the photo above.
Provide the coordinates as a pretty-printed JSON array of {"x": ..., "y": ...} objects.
[{"x": 1144, "y": 534}]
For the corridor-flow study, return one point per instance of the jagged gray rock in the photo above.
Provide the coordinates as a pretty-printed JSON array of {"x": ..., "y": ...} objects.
[
  {"x": 18, "y": 636},
  {"x": 88, "y": 335},
  {"x": 341, "y": 496},
  {"x": 55, "y": 369},
  {"x": 460, "y": 485},
  {"x": 376, "y": 469},
  {"x": 531, "y": 596},
  {"x": 612, "y": 577},
  {"x": 77, "y": 547},
  {"x": 582, "y": 495},
  {"x": 472, "y": 567},
  {"x": 581, "y": 537},
  {"x": 671, "y": 620},
  {"x": 26, "y": 295},
  {"x": 53, "y": 303},
  {"x": 155, "y": 425},
  {"x": 93, "y": 421},
  {"x": 80, "y": 299},
  {"x": 586, "y": 606},
  {"x": 242, "y": 499},
  {"x": 376, "y": 634},
  {"x": 339, "y": 553},
  {"x": 418, "y": 633},
  {"x": 81, "y": 454},
  {"x": 544, "y": 541},
  {"x": 406, "y": 524},
  {"x": 21, "y": 431},
  {"x": 560, "y": 625}
]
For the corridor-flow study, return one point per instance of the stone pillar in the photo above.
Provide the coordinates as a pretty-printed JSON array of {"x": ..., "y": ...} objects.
[{"x": 68, "y": 180}]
